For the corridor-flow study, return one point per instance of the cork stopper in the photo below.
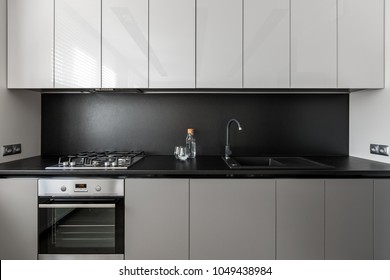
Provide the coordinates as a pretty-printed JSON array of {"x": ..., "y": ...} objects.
[{"x": 190, "y": 130}]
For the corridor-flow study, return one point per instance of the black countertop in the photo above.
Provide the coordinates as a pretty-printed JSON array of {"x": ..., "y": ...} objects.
[{"x": 201, "y": 167}]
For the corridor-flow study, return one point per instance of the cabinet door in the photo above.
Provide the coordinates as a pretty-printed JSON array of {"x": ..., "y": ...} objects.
[
  {"x": 172, "y": 44},
  {"x": 232, "y": 219},
  {"x": 77, "y": 44},
  {"x": 361, "y": 43},
  {"x": 349, "y": 219},
  {"x": 382, "y": 219},
  {"x": 18, "y": 219},
  {"x": 156, "y": 219},
  {"x": 314, "y": 44},
  {"x": 300, "y": 219},
  {"x": 266, "y": 44},
  {"x": 219, "y": 44},
  {"x": 124, "y": 44},
  {"x": 30, "y": 43}
]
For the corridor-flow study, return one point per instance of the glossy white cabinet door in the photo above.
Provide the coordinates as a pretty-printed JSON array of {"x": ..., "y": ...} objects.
[
  {"x": 30, "y": 43},
  {"x": 361, "y": 43},
  {"x": 266, "y": 44},
  {"x": 77, "y": 44},
  {"x": 314, "y": 44},
  {"x": 124, "y": 44},
  {"x": 219, "y": 44},
  {"x": 172, "y": 44}
]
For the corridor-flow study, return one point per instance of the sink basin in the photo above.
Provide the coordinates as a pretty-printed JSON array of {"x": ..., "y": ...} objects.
[
  {"x": 249, "y": 162},
  {"x": 255, "y": 162}
]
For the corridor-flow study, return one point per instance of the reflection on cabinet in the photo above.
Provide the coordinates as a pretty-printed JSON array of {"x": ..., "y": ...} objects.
[
  {"x": 232, "y": 219},
  {"x": 18, "y": 219},
  {"x": 156, "y": 219},
  {"x": 361, "y": 43},
  {"x": 172, "y": 44},
  {"x": 30, "y": 43},
  {"x": 300, "y": 219},
  {"x": 349, "y": 219},
  {"x": 314, "y": 44},
  {"x": 382, "y": 219},
  {"x": 124, "y": 44},
  {"x": 219, "y": 44},
  {"x": 266, "y": 44},
  {"x": 77, "y": 44}
]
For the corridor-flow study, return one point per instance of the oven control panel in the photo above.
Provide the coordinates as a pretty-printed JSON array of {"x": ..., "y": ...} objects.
[{"x": 81, "y": 187}]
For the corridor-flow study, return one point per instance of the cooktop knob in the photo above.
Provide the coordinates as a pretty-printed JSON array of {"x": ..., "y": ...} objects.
[
  {"x": 98, "y": 188},
  {"x": 63, "y": 188}
]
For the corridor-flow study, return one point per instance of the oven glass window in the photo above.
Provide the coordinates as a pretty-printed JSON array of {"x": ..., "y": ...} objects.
[{"x": 80, "y": 230}]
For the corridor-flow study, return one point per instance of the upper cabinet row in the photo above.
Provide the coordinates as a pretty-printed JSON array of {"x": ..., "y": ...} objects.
[{"x": 196, "y": 44}]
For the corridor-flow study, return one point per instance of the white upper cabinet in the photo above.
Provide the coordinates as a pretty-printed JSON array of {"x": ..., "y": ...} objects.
[
  {"x": 219, "y": 44},
  {"x": 266, "y": 44},
  {"x": 195, "y": 44},
  {"x": 172, "y": 44},
  {"x": 361, "y": 43},
  {"x": 30, "y": 43},
  {"x": 124, "y": 44},
  {"x": 314, "y": 44},
  {"x": 77, "y": 44}
]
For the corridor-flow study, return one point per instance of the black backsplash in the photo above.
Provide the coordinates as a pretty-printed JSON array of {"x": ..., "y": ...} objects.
[{"x": 295, "y": 124}]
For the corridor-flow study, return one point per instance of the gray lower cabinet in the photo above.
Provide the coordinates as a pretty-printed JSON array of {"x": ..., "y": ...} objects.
[
  {"x": 349, "y": 219},
  {"x": 232, "y": 219},
  {"x": 18, "y": 219},
  {"x": 382, "y": 219},
  {"x": 156, "y": 219},
  {"x": 300, "y": 219}
]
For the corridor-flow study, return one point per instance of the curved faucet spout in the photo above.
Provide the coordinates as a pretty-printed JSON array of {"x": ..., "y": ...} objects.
[{"x": 228, "y": 151}]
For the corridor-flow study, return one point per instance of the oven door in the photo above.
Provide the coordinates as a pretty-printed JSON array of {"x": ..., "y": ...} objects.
[{"x": 81, "y": 228}]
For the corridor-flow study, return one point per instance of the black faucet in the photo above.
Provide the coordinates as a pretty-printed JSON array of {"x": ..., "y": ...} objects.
[{"x": 228, "y": 151}]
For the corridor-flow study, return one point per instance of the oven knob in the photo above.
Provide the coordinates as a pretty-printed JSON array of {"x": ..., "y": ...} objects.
[
  {"x": 98, "y": 188},
  {"x": 63, "y": 188}
]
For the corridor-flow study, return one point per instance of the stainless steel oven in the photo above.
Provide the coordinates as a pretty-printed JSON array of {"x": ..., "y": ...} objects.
[{"x": 81, "y": 218}]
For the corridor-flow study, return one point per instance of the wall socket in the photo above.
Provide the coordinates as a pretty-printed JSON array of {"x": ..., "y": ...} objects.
[
  {"x": 377, "y": 149},
  {"x": 12, "y": 149}
]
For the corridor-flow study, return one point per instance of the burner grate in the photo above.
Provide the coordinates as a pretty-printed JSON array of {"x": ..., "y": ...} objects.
[{"x": 99, "y": 160}]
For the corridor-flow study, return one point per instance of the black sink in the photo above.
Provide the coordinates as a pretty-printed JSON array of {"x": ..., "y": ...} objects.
[{"x": 253, "y": 162}]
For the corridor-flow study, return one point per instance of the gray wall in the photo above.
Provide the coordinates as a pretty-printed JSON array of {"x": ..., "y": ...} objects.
[
  {"x": 370, "y": 113},
  {"x": 301, "y": 124},
  {"x": 20, "y": 111}
]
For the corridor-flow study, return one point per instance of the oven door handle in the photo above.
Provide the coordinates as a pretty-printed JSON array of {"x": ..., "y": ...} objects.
[{"x": 86, "y": 205}]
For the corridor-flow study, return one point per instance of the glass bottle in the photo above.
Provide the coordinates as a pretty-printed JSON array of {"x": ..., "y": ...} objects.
[{"x": 191, "y": 143}]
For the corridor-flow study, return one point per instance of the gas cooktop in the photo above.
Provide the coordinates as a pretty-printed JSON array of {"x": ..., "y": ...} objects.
[{"x": 98, "y": 160}]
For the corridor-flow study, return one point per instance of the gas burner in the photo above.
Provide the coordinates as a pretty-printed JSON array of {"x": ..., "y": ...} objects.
[{"x": 99, "y": 160}]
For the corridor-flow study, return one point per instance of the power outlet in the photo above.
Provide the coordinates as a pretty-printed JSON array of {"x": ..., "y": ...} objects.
[
  {"x": 377, "y": 149},
  {"x": 12, "y": 149},
  {"x": 17, "y": 148}
]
